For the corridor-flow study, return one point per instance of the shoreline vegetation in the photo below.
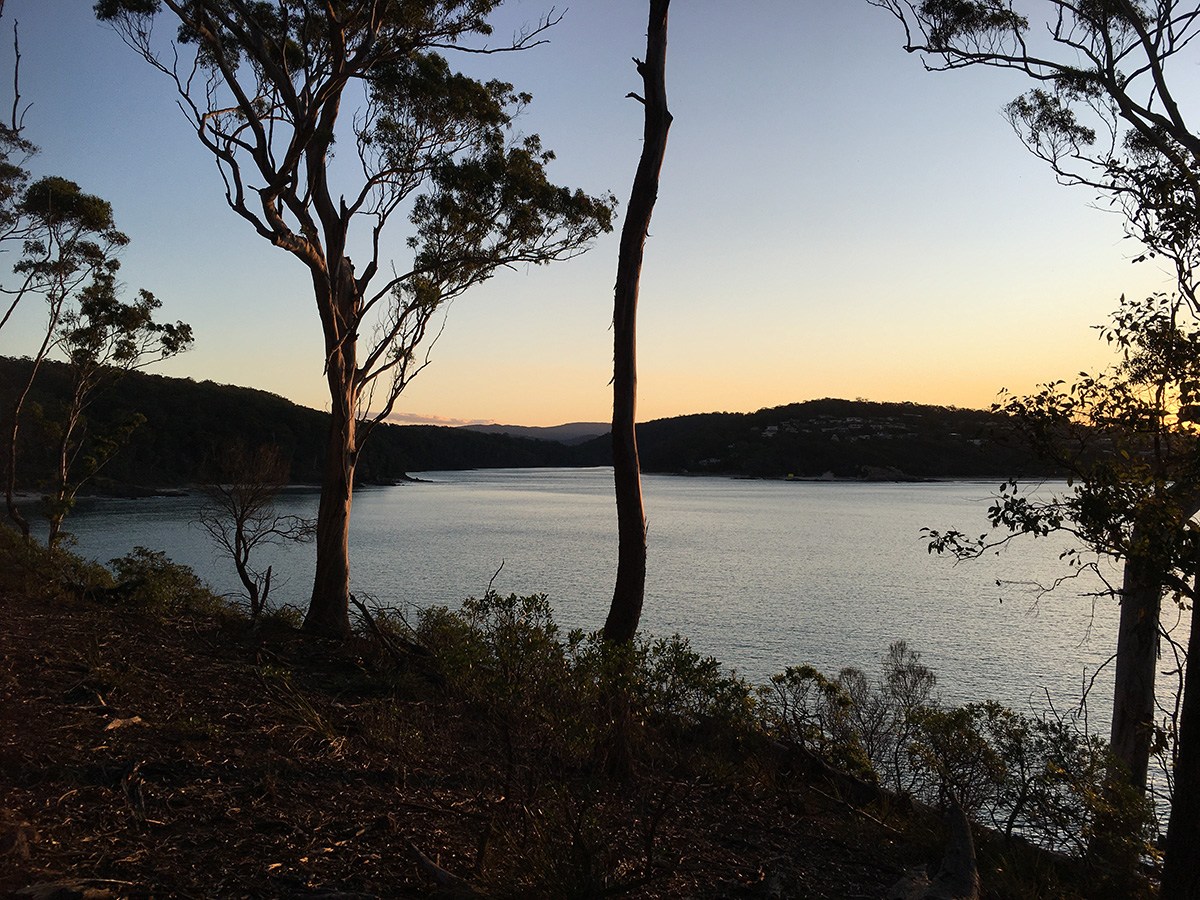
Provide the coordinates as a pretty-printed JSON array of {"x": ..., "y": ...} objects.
[
  {"x": 189, "y": 425},
  {"x": 169, "y": 746}
]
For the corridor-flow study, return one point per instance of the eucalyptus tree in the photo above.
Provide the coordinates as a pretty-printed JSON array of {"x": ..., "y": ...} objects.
[
  {"x": 269, "y": 87},
  {"x": 70, "y": 238},
  {"x": 102, "y": 338},
  {"x": 1127, "y": 440},
  {"x": 1104, "y": 113},
  {"x": 629, "y": 592}
]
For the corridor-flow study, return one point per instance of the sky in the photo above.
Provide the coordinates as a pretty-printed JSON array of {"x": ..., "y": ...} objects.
[{"x": 832, "y": 221}]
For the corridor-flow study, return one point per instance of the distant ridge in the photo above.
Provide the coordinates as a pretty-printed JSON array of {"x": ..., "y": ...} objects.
[
  {"x": 188, "y": 423},
  {"x": 570, "y": 434}
]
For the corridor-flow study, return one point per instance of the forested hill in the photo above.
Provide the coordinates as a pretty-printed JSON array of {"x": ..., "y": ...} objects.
[
  {"x": 188, "y": 422},
  {"x": 844, "y": 438}
]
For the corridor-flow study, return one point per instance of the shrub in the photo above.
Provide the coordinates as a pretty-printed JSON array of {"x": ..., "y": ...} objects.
[
  {"x": 1038, "y": 777},
  {"x": 147, "y": 578},
  {"x": 804, "y": 707},
  {"x": 692, "y": 690},
  {"x": 30, "y": 570},
  {"x": 497, "y": 648}
]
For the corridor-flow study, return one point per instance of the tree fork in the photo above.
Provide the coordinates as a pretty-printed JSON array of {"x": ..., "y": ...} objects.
[{"x": 630, "y": 590}]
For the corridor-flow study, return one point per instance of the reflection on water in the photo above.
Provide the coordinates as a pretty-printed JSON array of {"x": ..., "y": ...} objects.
[{"x": 761, "y": 574}]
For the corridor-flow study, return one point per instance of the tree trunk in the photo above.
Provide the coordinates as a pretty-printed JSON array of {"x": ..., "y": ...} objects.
[
  {"x": 1181, "y": 861},
  {"x": 10, "y": 481},
  {"x": 62, "y": 476},
  {"x": 1137, "y": 662},
  {"x": 629, "y": 593},
  {"x": 10, "y": 475},
  {"x": 329, "y": 609}
]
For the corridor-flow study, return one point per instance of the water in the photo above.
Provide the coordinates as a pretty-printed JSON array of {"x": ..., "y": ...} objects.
[{"x": 761, "y": 574}]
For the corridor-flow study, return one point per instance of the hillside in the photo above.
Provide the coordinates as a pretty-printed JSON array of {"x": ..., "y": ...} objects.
[
  {"x": 188, "y": 422},
  {"x": 843, "y": 438},
  {"x": 571, "y": 433},
  {"x": 170, "y": 748}
]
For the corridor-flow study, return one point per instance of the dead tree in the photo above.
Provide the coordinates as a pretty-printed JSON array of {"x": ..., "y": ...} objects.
[{"x": 626, "y": 609}]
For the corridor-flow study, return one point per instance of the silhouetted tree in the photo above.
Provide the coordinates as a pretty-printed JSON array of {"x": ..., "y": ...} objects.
[
  {"x": 15, "y": 152},
  {"x": 268, "y": 87},
  {"x": 102, "y": 338},
  {"x": 630, "y": 590},
  {"x": 241, "y": 515},
  {"x": 1127, "y": 439},
  {"x": 70, "y": 238},
  {"x": 1104, "y": 115}
]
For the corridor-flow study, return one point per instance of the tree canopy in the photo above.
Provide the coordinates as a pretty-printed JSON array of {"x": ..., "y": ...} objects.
[{"x": 271, "y": 90}]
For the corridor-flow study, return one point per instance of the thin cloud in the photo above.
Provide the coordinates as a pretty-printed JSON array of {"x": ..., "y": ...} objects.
[{"x": 411, "y": 418}]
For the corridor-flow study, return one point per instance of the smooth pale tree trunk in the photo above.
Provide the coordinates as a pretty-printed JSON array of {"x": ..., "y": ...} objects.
[
  {"x": 1181, "y": 861},
  {"x": 630, "y": 590},
  {"x": 329, "y": 609},
  {"x": 1136, "y": 668}
]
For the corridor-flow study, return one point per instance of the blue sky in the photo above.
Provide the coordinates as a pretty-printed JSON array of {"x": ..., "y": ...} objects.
[{"x": 832, "y": 221}]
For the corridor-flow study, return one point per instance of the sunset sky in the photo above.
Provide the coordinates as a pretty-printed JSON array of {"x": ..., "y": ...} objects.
[{"x": 832, "y": 221}]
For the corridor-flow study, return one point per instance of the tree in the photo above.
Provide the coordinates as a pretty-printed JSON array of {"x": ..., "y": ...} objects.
[
  {"x": 1127, "y": 439},
  {"x": 241, "y": 515},
  {"x": 629, "y": 593},
  {"x": 266, "y": 86},
  {"x": 102, "y": 339},
  {"x": 1103, "y": 115},
  {"x": 70, "y": 237}
]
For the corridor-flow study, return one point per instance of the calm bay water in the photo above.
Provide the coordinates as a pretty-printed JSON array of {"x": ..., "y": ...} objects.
[{"x": 761, "y": 574}]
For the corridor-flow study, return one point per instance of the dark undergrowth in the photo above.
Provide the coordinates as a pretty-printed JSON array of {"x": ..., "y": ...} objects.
[{"x": 156, "y": 743}]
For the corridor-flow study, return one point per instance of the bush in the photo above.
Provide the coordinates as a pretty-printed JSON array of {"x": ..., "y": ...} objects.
[
  {"x": 1038, "y": 777},
  {"x": 30, "y": 570},
  {"x": 802, "y": 706},
  {"x": 147, "y": 578},
  {"x": 692, "y": 691}
]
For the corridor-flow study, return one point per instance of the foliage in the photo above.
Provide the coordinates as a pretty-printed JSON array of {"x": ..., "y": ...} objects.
[
  {"x": 39, "y": 574},
  {"x": 692, "y": 691},
  {"x": 148, "y": 579},
  {"x": 1102, "y": 112},
  {"x": 803, "y": 707},
  {"x": 269, "y": 88},
  {"x": 1037, "y": 777},
  {"x": 1034, "y": 777},
  {"x": 102, "y": 338},
  {"x": 845, "y": 438},
  {"x": 1127, "y": 440},
  {"x": 69, "y": 239},
  {"x": 189, "y": 423},
  {"x": 861, "y": 726},
  {"x": 506, "y": 655}
]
